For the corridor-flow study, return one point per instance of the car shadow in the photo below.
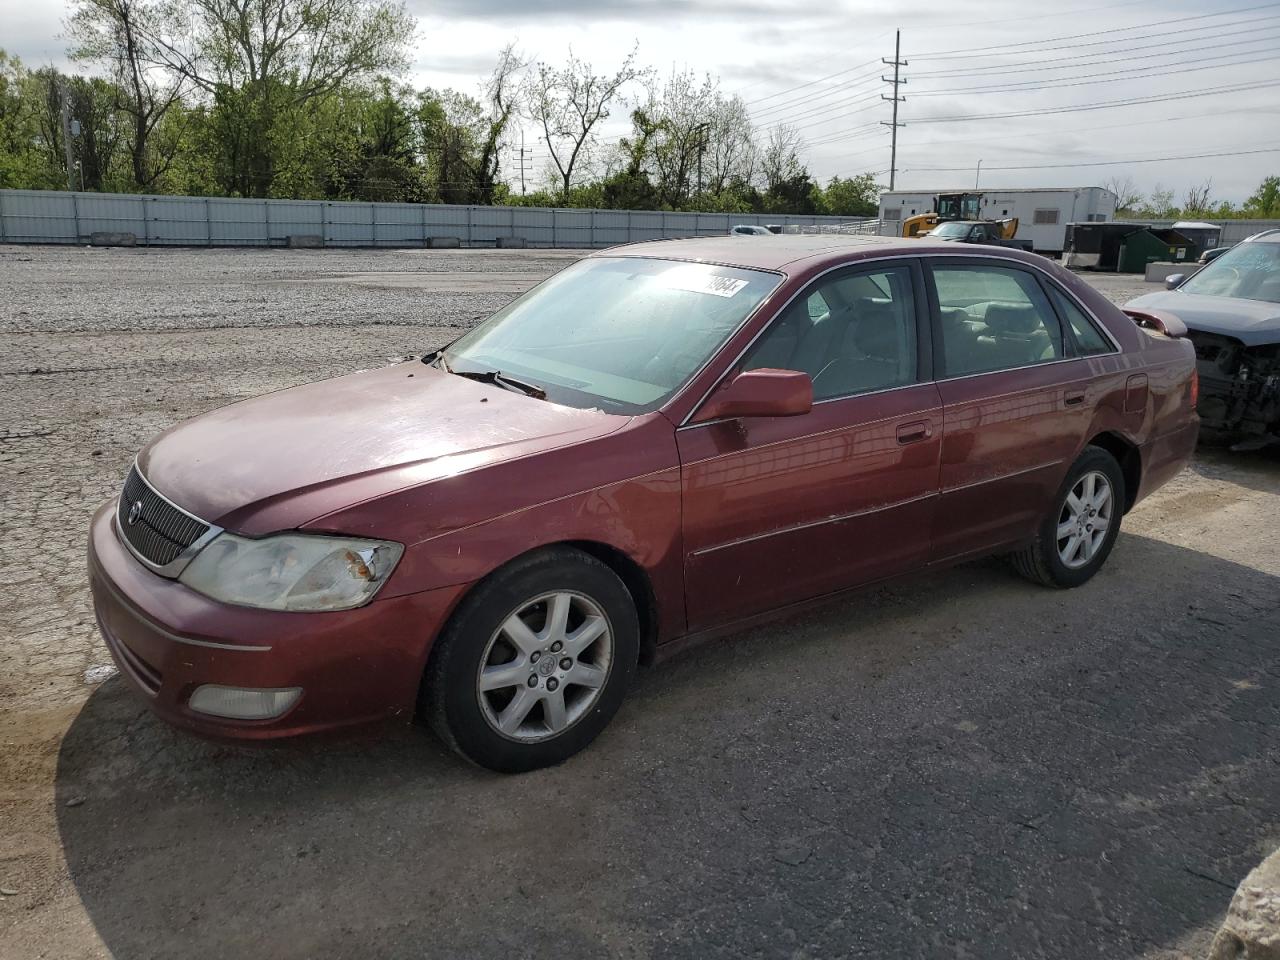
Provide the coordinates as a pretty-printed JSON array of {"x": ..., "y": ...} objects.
[
  {"x": 961, "y": 763},
  {"x": 1256, "y": 469}
]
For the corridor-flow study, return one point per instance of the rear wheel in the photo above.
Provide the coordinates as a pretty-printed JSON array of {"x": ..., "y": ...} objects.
[
  {"x": 1076, "y": 537},
  {"x": 535, "y": 663}
]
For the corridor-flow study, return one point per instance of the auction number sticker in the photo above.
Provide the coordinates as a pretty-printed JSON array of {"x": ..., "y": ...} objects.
[{"x": 698, "y": 280}]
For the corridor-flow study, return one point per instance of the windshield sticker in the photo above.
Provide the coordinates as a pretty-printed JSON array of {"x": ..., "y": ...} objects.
[{"x": 697, "y": 280}]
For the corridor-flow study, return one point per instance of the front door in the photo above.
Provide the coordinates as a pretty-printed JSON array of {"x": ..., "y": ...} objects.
[{"x": 782, "y": 509}]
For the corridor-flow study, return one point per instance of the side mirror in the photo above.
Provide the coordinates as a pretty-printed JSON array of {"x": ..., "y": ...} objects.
[
  {"x": 760, "y": 393},
  {"x": 1173, "y": 279}
]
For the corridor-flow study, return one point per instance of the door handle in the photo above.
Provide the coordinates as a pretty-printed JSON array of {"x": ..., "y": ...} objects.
[
  {"x": 1074, "y": 398},
  {"x": 915, "y": 431}
]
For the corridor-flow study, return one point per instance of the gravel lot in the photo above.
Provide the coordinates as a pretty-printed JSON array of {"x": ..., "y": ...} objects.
[{"x": 957, "y": 765}]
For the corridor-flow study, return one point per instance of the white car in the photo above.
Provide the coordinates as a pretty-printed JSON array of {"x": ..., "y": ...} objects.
[{"x": 750, "y": 230}]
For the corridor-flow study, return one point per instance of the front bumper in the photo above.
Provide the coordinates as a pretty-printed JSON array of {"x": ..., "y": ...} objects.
[
  {"x": 1239, "y": 386},
  {"x": 354, "y": 666}
]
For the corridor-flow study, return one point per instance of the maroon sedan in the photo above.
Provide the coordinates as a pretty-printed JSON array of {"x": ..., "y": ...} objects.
[{"x": 663, "y": 441}]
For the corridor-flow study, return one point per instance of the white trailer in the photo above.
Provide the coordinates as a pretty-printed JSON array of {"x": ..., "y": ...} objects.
[{"x": 1043, "y": 214}]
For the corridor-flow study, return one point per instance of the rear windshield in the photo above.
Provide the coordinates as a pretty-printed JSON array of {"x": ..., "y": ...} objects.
[
  {"x": 1248, "y": 271},
  {"x": 621, "y": 334}
]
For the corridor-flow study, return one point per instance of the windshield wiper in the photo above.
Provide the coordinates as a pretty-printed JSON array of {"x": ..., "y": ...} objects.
[
  {"x": 495, "y": 377},
  {"x": 499, "y": 379}
]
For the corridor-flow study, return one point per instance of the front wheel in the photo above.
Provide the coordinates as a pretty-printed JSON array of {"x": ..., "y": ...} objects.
[
  {"x": 1077, "y": 535},
  {"x": 535, "y": 663}
]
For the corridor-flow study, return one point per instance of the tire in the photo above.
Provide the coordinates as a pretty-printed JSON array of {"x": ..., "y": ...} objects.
[
  {"x": 1050, "y": 561},
  {"x": 534, "y": 663}
]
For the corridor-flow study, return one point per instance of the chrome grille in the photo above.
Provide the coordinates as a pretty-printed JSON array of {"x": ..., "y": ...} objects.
[{"x": 156, "y": 530}]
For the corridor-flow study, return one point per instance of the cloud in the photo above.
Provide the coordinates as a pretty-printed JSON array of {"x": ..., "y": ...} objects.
[{"x": 513, "y": 13}]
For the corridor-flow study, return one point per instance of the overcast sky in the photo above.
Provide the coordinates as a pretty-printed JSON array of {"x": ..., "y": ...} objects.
[{"x": 772, "y": 51}]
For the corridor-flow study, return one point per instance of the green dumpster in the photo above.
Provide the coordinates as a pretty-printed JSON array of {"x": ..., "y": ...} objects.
[{"x": 1155, "y": 245}]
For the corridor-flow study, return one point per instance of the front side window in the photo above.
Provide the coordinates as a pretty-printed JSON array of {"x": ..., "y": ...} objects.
[
  {"x": 1248, "y": 271},
  {"x": 993, "y": 318},
  {"x": 619, "y": 333},
  {"x": 854, "y": 333}
]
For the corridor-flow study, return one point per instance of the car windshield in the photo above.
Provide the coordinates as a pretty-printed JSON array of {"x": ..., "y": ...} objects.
[
  {"x": 617, "y": 333},
  {"x": 1248, "y": 271},
  {"x": 950, "y": 230}
]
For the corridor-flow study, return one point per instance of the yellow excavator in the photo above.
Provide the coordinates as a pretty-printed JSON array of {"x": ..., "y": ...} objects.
[{"x": 950, "y": 207}]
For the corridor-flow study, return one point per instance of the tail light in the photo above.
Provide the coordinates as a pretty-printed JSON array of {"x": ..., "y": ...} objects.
[{"x": 1195, "y": 387}]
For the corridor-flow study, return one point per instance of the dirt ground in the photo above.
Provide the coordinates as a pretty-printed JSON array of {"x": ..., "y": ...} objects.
[{"x": 958, "y": 765}]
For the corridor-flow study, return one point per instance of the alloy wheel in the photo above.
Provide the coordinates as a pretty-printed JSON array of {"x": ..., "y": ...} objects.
[
  {"x": 545, "y": 666},
  {"x": 1085, "y": 519}
]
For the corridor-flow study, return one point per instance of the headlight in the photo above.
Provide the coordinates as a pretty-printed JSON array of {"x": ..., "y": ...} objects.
[{"x": 292, "y": 571}]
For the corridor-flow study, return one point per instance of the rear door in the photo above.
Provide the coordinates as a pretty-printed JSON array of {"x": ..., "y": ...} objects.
[
  {"x": 1016, "y": 402},
  {"x": 781, "y": 509}
]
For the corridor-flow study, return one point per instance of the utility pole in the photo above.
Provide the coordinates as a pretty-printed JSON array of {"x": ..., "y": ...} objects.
[
  {"x": 523, "y": 154},
  {"x": 66, "y": 138},
  {"x": 897, "y": 63},
  {"x": 977, "y": 175},
  {"x": 701, "y": 130}
]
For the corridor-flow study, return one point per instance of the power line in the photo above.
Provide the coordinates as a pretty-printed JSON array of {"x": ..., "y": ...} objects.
[
  {"x": 965, "y": 53},
  {"x": 1131, "y": 102},
  {"x": 1102, "y": 56},
  {"x": 810, "y": 83},
  {"x": 1044, "y": 16},
  {"x": 870, "y": 77},
  {"x": 823, "y": 112},
  {"x": 1090, "y": 79},
  {"x": 824, "y": 60},
  {"x": 1100, "y": 163}
]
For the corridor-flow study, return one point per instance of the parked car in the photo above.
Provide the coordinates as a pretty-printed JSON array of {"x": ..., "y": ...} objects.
[
  {"x": 1232, "y": 311},
  {"x": 976, "y": 231},
  {"x": 1211, "y": 254},
  {"x": 750, "y": 230},
  {"x": 650, "y": 447}
]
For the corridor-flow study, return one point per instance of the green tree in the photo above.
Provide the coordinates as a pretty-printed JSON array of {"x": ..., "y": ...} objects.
[
  {"x": 260, "y": 63},
  {"x": 1265, "y": 201},
  {"x": 850, "y": 196},
  {"x": 23, "y": 164}
]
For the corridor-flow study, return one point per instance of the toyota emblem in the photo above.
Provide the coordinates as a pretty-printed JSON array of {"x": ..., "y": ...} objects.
[{"x": 135, "y": 512}]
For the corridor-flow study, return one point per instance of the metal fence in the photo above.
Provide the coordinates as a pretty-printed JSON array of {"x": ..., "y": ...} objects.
[{"x": 41, "y": 216}]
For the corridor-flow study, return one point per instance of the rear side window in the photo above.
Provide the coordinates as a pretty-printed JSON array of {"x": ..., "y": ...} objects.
[
  {"x": 993, "y": 318},
  {"x": 1089, "y": 339}
]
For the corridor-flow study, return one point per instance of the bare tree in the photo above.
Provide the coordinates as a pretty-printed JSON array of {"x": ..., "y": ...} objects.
[
  {"x": 1195, "y": 202},
  {"x": 1128, "y": 196},
  {"x": 570, "y": 103},
  {"x": 780, "y": 162},
  {"x": 731, "y": 144},
  {"x": 674, "y": 125},
  {"x": 502, "y": 93},
  {"x": 116, "y": 33}
]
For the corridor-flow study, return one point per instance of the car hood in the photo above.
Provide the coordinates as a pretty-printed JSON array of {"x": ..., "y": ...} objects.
[
  {"x": 277, "y": 461},
  {"x": 1252, "y": 322}
]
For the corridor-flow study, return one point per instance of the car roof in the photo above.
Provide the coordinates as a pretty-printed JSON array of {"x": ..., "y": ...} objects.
[
  {"x": 785, "y": 253},
  {"x": 1266, "y": 236}
]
